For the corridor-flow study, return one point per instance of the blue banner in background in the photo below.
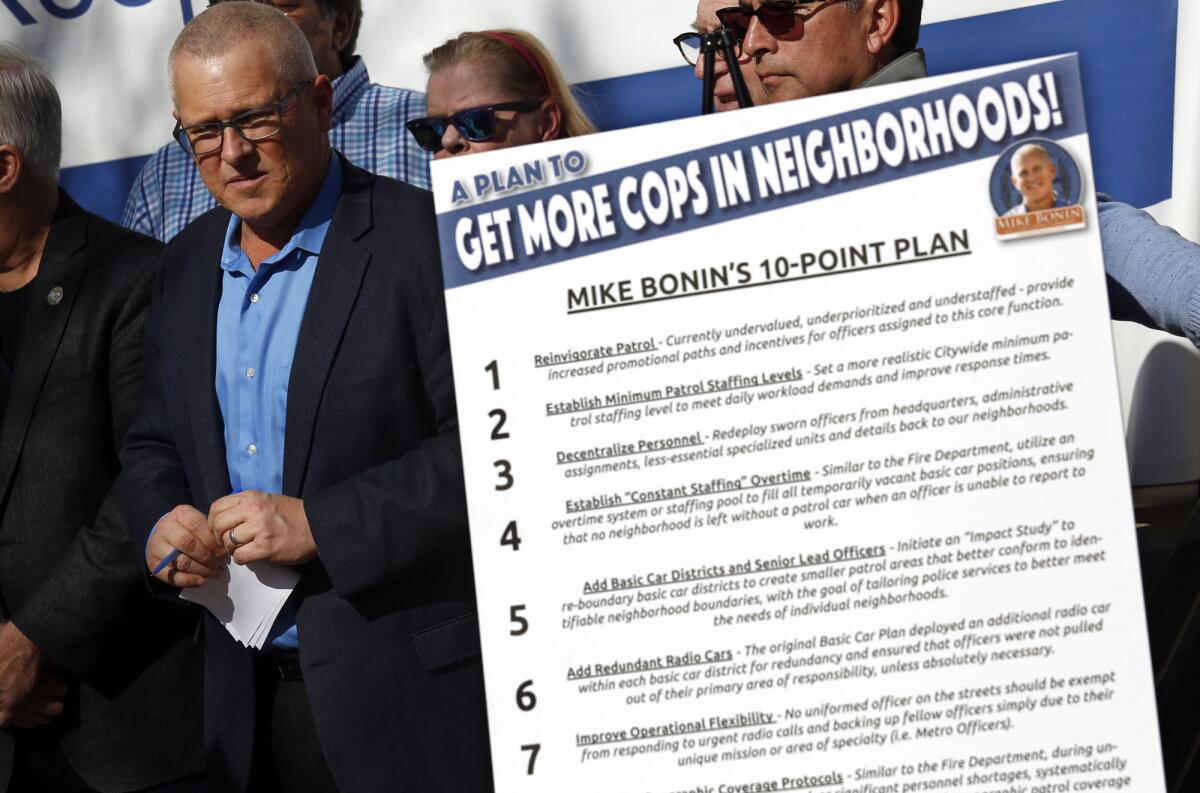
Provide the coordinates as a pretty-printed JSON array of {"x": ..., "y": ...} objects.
[{"x": 1127, "y": 58}]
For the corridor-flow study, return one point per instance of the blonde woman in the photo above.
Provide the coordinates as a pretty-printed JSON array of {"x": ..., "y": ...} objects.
[{"x": 493, "y": 89}]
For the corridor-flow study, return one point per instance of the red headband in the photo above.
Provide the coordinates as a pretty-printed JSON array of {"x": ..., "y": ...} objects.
[{"x": 524, "y": 52}]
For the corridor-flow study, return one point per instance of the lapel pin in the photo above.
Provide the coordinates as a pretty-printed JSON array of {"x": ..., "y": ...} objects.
[{"x": 55, "y": 297}]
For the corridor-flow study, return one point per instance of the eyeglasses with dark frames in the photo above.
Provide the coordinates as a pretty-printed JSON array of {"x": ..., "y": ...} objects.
[
  {"x": 474, "y": 124},
  {"x": 688, "y": 45},
  {"x": 783, "y": 19},
  {"x": 253, "y": 125}
]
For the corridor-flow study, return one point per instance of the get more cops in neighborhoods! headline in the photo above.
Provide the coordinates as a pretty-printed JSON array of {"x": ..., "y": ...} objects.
[
  {"x": 522, "y": 216},
  {"x": 741, "y": 524}
]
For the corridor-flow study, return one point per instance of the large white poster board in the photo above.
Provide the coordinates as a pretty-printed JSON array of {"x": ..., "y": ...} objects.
[{"x": 792, "y": 462}]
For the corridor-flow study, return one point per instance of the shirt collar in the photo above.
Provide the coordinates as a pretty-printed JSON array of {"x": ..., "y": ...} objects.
[
  {"x": 310, "y": 233},
  {"x": 348, "y": 85},
  {"x": 909, "y": 66}
]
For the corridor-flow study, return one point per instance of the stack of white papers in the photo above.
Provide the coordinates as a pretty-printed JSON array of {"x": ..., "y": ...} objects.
[{"x": 247, "y": 599}]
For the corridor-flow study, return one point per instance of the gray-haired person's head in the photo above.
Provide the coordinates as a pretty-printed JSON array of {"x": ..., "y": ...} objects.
[
  {"x": 30, "y": 112},
  {"x": 221, "y": 28}
]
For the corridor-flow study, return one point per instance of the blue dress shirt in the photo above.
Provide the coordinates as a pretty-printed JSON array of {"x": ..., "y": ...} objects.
[{"x": 258, "y": 325}]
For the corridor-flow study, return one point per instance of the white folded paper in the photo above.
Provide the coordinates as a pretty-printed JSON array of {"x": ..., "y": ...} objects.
[{"x": 247, "y": 599}]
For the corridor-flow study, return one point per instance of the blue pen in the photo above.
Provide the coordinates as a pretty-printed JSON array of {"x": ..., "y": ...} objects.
[{"x": 172, "y": 556}]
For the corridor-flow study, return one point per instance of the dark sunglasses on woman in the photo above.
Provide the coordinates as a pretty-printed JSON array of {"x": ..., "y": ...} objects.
[{"x": 474, "y": 124}]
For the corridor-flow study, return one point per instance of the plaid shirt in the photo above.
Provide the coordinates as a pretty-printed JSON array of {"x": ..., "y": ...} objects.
[{"x": 367, "y": 126}]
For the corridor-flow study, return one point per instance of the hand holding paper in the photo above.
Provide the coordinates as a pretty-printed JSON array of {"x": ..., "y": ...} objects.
[
  {"x": 255, "y": 526},
  {"x": 263, "y": 534}
]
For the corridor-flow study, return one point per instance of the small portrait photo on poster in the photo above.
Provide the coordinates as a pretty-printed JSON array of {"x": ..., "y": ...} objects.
[{"x": 1036, "y": 188}]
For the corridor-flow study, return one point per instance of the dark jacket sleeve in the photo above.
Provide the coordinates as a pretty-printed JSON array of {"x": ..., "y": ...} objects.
[
  {"x": 97, "y": 585},
  {"x": 95, "y": 589},
  {"x": 153, "y": 480}
]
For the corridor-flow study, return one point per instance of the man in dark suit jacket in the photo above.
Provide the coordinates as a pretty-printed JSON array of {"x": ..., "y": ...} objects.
[
  {"x": 88, "y": 660},
  {"x": 298, "y": 342}
]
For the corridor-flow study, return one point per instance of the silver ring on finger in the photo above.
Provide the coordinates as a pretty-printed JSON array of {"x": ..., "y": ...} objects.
[{"x": 233, "y": 538}]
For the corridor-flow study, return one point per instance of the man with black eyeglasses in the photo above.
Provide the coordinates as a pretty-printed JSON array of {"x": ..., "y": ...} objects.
[
  {"x": 800, "y": 49},
  {"x": 297, "y": 418},
  {"x": 367, "y": 124}
]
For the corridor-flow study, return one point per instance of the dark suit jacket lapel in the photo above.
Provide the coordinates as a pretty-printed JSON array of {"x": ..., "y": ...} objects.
[
  {"x": 198, "y": 369},
  {"x": 44, "y": 325},
  {"x": 334, "y": 291}
]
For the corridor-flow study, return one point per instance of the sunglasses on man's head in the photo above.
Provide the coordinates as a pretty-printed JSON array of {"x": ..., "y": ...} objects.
[
  {"x": 474, "y": 124},
  {"x": 781, "y": 18}
]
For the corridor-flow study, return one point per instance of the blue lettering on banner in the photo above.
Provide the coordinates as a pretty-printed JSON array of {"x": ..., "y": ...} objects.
[
  {"x": 918, "y": 134},
  {"x": 68, "y": 12},
  {"x": 81, "y": 7},
  {"x": 18, "y": 11}
]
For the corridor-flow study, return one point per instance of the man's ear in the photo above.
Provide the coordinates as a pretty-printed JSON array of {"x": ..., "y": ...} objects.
[
  {"x": 11, "y": 168},
  {"x": 323, "y": 100},
  {"x": 343, "y": 27},
  {"x": 884, "y": 19},
  {"x": 552, "y": 121}
]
